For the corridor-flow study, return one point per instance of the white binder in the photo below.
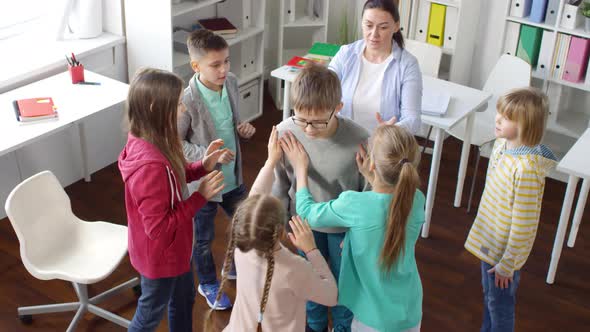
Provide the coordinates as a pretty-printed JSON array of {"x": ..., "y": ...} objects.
[
  {"x": 571, "y": 17},
  {"x": 551, "y": 14},
  {"x": 544, "y": 65},
  {"x": 520, "y": 8},
  {"x": 422, "y": 21},
  {"x": 451, "y": 22},
  {"x": 511, "y": 40},
  {"x": 405, "y": 10}
]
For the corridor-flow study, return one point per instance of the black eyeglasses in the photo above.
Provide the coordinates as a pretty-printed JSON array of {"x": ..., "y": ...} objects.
[{"x": 314, "y": 124}]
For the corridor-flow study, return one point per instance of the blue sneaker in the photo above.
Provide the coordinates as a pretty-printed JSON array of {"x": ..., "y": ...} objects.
[
  {"x": 232, "y": 275},
  {"x": 209, "y": 292}
]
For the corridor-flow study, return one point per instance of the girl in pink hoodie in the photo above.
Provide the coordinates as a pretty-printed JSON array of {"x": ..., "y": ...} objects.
[{"x": 159, "y": 209}]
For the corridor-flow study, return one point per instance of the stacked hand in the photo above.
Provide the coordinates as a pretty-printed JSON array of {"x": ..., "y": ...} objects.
[
  {"x": 295, "y": 152},
  {"x": 274, "y": 148},
  {"x": 246, "y": 130},
  {"x": 214, "y": 155},
  {"x": 211, "y": 185},
  {"x": 364, "y": 164},
  {"x": 301, "y": 235}
]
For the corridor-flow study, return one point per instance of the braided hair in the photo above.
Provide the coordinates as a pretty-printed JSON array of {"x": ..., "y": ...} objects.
[{"x": 256, "y": 225}]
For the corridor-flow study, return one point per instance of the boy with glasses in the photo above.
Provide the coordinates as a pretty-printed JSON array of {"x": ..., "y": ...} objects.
[{"x": 331, "y": 143}]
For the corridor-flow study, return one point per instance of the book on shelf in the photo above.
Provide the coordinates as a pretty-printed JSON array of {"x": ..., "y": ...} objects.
[
  {"x": 34, "y": 109},
  {"x": 219, "y": 25}
]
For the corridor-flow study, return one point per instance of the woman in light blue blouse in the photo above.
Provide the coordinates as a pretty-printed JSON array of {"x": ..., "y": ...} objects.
[{"x": 381, "y": 81}]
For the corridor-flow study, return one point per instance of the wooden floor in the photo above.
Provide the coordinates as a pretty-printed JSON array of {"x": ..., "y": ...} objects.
[{"x": 450, "y": 275}]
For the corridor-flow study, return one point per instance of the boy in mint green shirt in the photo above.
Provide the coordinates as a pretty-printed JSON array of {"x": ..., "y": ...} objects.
[
  {"x": 212, "y": 114},
  {"x": 379, "y": 280}
]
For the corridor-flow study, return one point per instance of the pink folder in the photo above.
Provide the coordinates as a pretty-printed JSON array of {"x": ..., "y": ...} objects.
[{"x": 577, "y": 60}]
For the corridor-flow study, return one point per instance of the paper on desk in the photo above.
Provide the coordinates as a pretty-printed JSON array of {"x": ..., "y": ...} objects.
[{"x": 435, "y": 103}]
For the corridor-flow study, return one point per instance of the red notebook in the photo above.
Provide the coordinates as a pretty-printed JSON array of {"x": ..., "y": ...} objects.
[
  {"x": 35, "y": 108},
  {"x": 300, "y": 62},
  {"x": 220, "y": 25}
]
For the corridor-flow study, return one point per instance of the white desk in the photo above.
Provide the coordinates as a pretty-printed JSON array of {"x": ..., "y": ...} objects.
[
  {"x": 74, "y": 103},
  {"x": 576, "y": 163},
  {"x": 464, "y": 102}
]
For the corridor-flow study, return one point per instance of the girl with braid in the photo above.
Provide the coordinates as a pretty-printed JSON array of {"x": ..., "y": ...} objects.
[
  {"x": 274, "y": 284},
  {"x": 379, "y": 280}
]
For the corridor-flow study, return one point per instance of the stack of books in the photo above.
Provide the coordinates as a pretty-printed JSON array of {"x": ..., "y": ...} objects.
[
  {"x": 320, "y": 53},
  {"x": 34, "y": 109},
  {"x": 219, "y": 25}
]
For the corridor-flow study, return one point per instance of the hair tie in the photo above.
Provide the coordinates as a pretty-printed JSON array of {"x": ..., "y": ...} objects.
[
  {"x": 259, "y": 317},
  {"x": 403, "y": 161}
]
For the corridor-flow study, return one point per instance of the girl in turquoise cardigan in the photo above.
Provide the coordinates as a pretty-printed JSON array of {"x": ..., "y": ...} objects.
[{"x": 379, "y": 280}]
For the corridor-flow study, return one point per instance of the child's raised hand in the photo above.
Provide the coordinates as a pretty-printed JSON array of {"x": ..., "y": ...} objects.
[
  {"x": 227, "y": 157},
  {"x": 211, "y": 185},
  {"x": 246, "y": 130},
  {"x": 213, "y": 154},
  {"x": 301, "y": 235},
  {"x": 363, "y": 162},
  {"x": 274, "y": 147},
  {"x": 295, "y": 152}
]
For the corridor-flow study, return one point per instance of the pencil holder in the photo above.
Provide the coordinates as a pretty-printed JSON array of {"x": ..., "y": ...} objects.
[{"x": 76, "y": 73}]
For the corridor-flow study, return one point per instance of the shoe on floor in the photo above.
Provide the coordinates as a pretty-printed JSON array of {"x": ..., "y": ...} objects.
[
  {"x": 209, "y": 292},
  {"x": 233, "y": 275}
]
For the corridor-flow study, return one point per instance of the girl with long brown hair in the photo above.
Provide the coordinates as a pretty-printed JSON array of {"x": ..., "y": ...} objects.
[
  {"x": 273, "y": 284},
  {"x": 379, "y": 280},
  {"x": 159, "y": 209}
]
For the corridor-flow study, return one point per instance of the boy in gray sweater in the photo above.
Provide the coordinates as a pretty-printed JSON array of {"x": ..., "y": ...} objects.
[
  {"x": 331, "y": 143},
  {"x": 211, "y": 101}
]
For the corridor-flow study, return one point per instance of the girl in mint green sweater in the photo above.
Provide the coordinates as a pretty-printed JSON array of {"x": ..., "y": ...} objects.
[{"x": 379, "y": 280}]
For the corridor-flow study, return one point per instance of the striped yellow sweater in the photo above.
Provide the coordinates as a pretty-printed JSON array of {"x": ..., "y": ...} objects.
[{"x": 504, "y": 230}]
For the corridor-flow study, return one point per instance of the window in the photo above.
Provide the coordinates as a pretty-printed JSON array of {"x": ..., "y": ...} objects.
[{"x": 17, "y": 17}]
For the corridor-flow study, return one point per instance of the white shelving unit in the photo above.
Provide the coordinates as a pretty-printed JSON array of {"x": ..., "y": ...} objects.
[
  {"x": 149, "y": 41},
  {"x": 460, "y": 32},
  {"x": 570, "y": 115},
  {"x": 298, "y": 30}
]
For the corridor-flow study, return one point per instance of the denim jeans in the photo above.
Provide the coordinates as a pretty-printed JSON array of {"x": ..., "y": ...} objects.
[
  {"x": 178, "y": 293},
  {"x": 317, "y": 314},
  {"x": 498, "y": 304},
  {"x": 204, "y": 226}
]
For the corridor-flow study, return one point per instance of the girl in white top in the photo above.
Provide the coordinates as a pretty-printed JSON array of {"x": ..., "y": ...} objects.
[{"x": 273, "y": 284}]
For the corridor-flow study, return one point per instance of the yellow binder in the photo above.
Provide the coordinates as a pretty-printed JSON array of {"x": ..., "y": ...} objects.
[{"x": 436, "y": 24}]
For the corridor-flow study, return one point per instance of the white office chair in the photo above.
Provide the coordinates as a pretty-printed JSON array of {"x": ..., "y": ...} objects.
[
  {"x": 428, "y": 56},
  {"x": 55, "y": 244},
  {"x": 509, "y": 73}
]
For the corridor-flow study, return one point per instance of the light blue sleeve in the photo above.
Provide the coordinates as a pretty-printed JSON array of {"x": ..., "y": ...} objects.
[
  {"x": 411, "y": 98},
  {"x": 335, "y": 213},
  {"x": 337, "y": 63}
]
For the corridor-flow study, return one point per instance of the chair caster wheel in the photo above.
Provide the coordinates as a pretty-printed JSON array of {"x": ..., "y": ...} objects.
[{"x": 26, "y": 319}]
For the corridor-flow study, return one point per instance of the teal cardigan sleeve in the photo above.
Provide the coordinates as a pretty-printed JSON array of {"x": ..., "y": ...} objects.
[{"x": 335, "y": 213}]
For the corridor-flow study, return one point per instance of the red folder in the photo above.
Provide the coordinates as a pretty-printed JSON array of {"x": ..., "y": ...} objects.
[{"x": 35, "y": 107}]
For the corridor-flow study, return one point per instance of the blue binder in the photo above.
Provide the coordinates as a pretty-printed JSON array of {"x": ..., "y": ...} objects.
[{"x": 538, "y": 10}]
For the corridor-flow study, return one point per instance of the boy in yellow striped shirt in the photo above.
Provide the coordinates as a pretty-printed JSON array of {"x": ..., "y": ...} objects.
[{"x": 504, "y": 230}]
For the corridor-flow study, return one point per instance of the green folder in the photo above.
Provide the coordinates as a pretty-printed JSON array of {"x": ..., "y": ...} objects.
[
  {"x": 529, "y": 44},
  {"x": 324, "y": 49}
]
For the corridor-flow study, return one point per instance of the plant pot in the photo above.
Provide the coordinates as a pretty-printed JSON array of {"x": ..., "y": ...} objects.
[{"x": 587, "y": 26}]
